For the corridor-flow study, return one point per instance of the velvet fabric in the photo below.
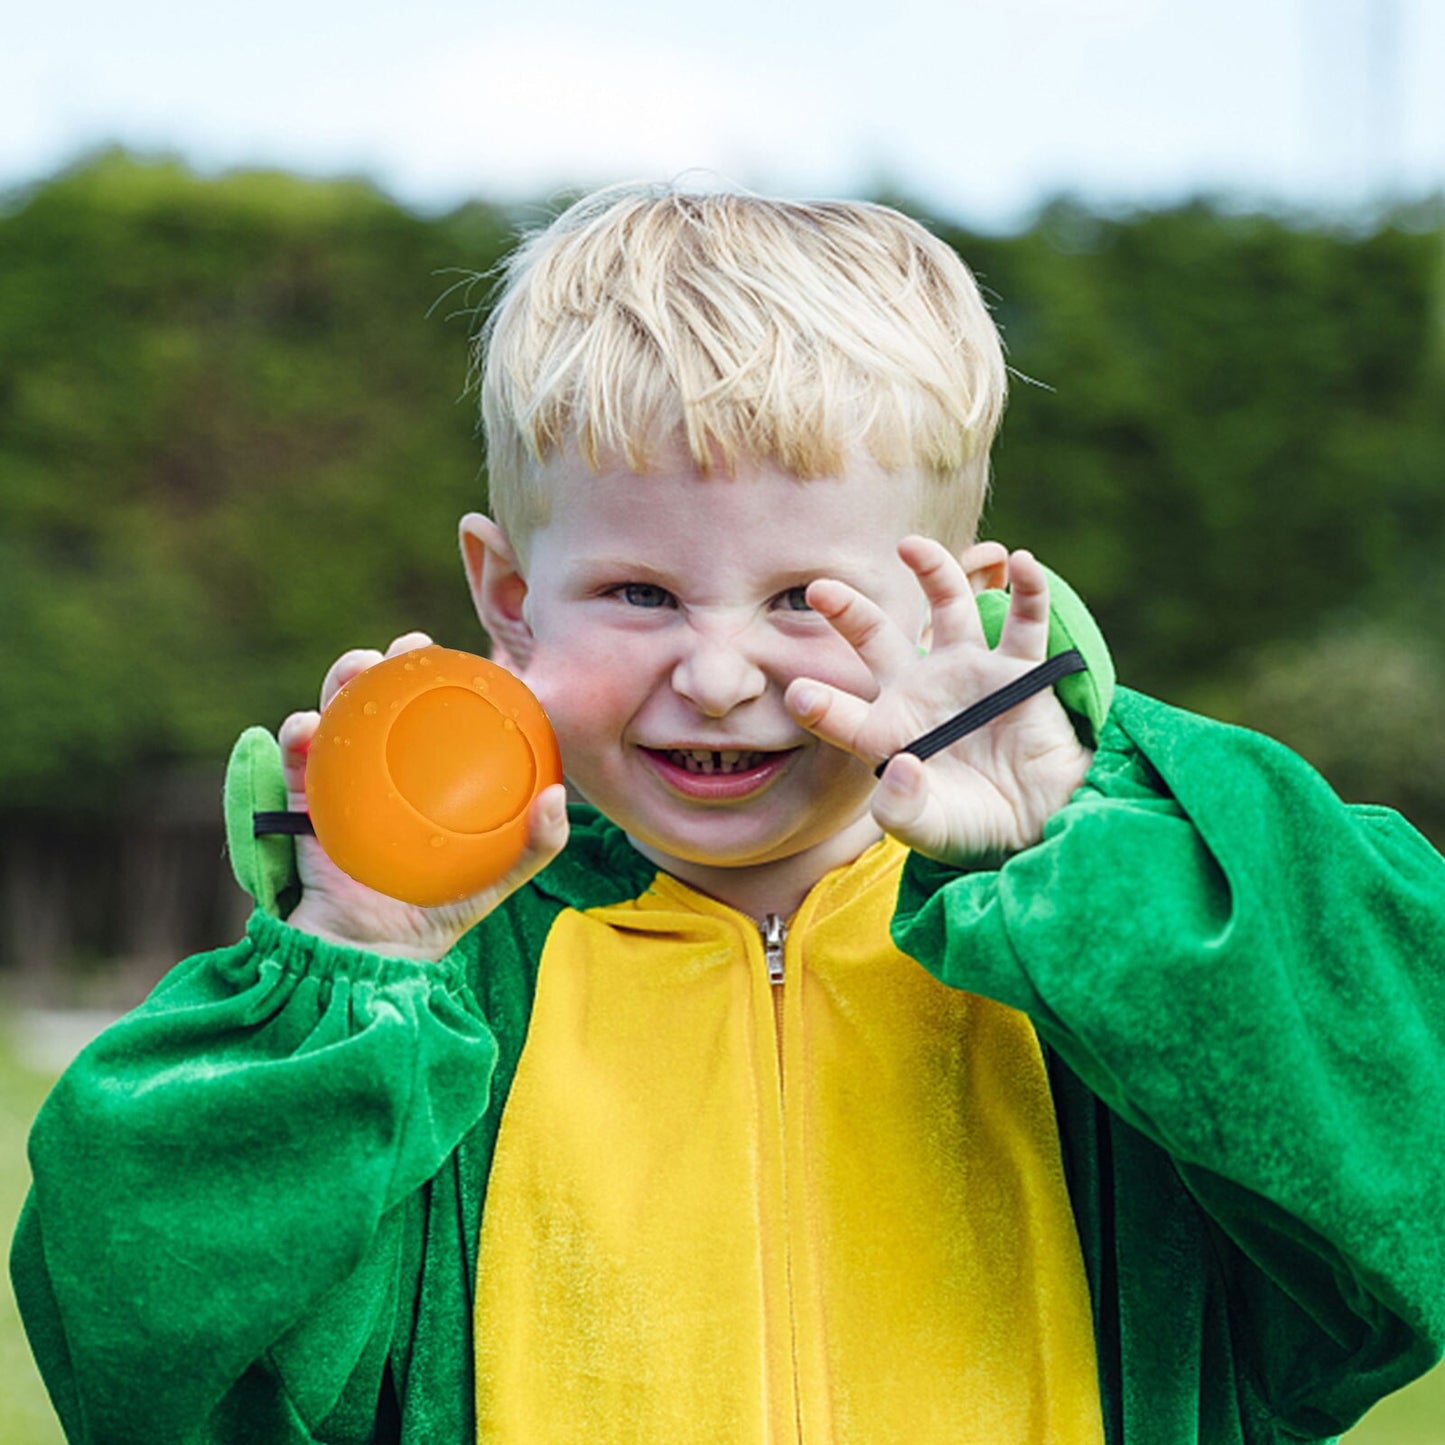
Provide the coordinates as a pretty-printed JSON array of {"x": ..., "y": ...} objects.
[
  {"x": 257, "y": 1199},
  {"x": 830, "y": 1208},
  {"x": 1242, "y": 982}
]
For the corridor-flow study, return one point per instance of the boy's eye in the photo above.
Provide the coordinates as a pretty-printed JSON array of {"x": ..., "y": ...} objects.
[
  {"x": 795, "y": 599},
  {"x": 644, "y": 594}
]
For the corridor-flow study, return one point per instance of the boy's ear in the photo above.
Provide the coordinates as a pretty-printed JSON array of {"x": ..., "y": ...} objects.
[
  {"x": 986, "y": 564},
  {"x": 498, "y": 589}
]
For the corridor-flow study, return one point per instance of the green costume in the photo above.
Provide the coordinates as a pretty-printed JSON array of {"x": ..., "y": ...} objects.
[{"x": 259, "y": 1197}]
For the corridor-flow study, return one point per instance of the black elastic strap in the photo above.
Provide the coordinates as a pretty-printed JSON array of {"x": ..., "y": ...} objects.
[
  {"x": 263, "y": 823},
  {"x": 1046, "y": 674}
]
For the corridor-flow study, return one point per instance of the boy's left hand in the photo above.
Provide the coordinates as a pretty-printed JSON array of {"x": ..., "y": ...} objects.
[{"x": 990, "y": 793}]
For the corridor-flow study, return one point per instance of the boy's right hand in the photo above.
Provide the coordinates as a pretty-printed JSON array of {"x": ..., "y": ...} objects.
[{"x": 338, "y": 908}]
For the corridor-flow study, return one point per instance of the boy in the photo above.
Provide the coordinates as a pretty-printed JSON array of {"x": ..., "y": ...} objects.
[{"x": 1079, "y": 1082}]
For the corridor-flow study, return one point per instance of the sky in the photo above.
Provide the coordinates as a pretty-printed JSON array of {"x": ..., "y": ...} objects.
[{"x": 979, "y": 109}]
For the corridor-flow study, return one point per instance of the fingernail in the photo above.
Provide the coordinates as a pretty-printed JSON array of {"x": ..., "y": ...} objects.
[{"x": 806, "y": 698}]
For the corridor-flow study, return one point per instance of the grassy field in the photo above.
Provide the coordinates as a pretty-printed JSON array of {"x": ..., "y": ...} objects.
[
  {"x": 25, "y": 1414},
  {"x": 1414, "y": 1417}
]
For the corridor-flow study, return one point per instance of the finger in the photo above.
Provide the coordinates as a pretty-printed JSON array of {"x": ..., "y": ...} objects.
[
  {"x": 408, "y": 642},
  {"x": 295, "y": 739},
  {"x": 1026, "y": 627},
  {"x": 986, "y": 564},
  {"x": 546, "y": 826},
  {"x": 828, "y": 712},
  {"x": 547, "y": 830},
  {"x": 865, "y": 626},
  {"x": 903, "y": 805},
  {"x": 347, "y": 666},
  {"x": 945, "y": 584}
]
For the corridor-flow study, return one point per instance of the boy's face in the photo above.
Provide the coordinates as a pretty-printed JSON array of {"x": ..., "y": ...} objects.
[{"x": 662, "y": 619}]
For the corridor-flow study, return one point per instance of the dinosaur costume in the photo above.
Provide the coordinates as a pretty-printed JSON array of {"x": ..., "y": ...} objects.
[{"x": 1147, "y": 1150}]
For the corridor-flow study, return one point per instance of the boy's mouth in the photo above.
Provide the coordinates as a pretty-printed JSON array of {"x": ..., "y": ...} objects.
[
  {"x": 719, "y": 774},
  {"x": 703, "y": 760}
]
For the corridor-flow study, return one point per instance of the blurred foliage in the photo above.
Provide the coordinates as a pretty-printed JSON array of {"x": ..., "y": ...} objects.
[
  {"x": 234, "y": 441},
  {"x": 1241, "y": 427},
  {"x": 1365, "y": 706}
]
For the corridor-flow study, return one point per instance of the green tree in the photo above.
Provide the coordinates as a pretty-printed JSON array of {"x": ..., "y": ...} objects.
[
  {"x": 233, "y": 442},
  {"x": 1238, "y": 429}
]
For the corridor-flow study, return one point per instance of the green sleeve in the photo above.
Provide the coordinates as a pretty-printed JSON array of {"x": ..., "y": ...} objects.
[
  {"x": 224, "y": 1227},
  {"x": 1251, "y": 976}
]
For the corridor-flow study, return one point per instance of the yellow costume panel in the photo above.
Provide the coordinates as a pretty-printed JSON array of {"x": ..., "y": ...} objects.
[{"x": 726, "y": 1207}]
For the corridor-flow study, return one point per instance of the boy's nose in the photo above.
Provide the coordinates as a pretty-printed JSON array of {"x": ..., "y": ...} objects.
[{"x": 716, "y": 675}]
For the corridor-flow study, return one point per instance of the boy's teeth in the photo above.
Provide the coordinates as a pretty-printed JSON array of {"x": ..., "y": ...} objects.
[{"x": 701, "y": 760}]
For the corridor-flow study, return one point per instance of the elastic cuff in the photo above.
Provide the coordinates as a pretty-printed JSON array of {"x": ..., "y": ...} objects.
[{"x": 300, "y": 952}]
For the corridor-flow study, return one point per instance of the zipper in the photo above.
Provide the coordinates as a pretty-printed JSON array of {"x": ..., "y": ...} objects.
[
  {"x": 775, "y": 935},
  {"x": 775, "y": 938}
]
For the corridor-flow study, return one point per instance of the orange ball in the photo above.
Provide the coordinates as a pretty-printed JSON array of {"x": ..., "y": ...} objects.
[{"x": 421, "y": 773}]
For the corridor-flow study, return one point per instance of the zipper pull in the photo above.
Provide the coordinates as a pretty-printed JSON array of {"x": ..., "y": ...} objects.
[{"x": 775, "y": 935}]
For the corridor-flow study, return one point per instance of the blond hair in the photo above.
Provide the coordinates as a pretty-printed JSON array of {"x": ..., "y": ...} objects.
[{"x": 795, "y": 333}]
